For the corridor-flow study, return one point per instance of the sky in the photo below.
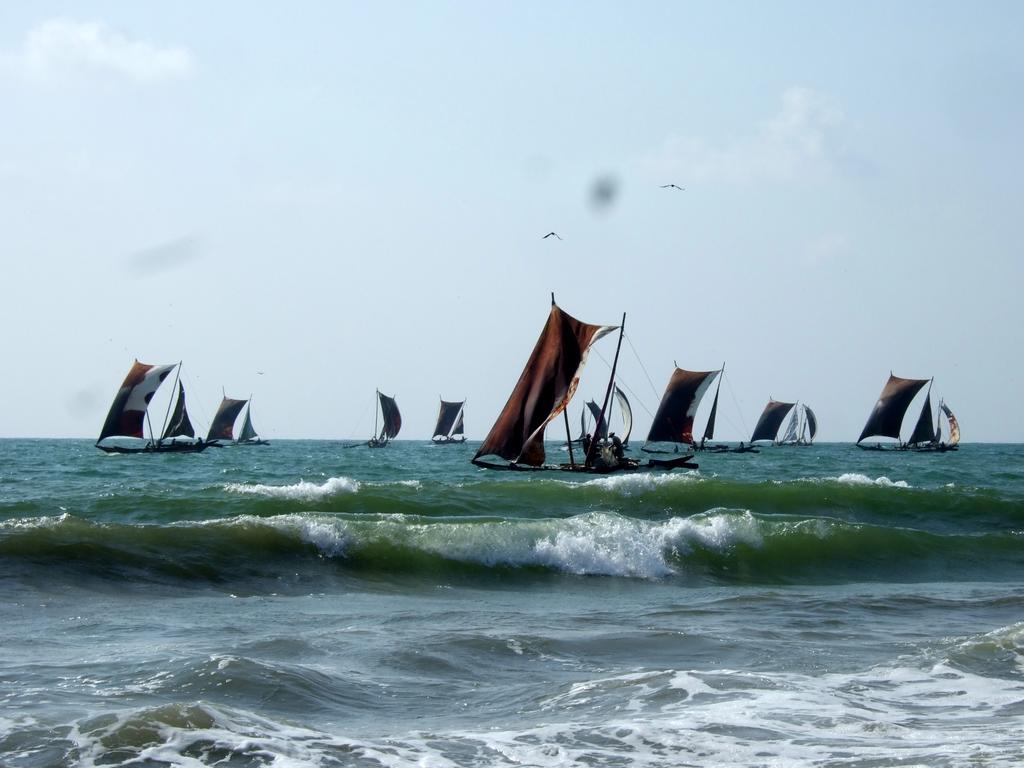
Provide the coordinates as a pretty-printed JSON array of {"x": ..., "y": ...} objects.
[{"x": 307, "y": 203}]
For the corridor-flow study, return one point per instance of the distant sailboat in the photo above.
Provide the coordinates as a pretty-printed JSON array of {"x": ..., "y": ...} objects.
[
  {"x": 223, "y": 425},
  {"x": 129, "y": 414},
  {"x": 802, "y": 427},
  {"x": 391, "y": 421},
  {"x": 674, "y": 420},
  {"x": 927, "y": 434},
  {"x": 449, "y": 427},
  {"x": 772, "y": 416},
  {"x": 887, "y": 417},
  {"x": 248, "y": 434},
  {"x": 544, "y": 390}
]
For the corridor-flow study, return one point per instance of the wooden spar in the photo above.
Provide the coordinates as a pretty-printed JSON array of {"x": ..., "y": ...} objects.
[
  {"x": 568, "y": 436},
  {"x": 608, "y": 391},
  {"x": 167, "y": 416}
]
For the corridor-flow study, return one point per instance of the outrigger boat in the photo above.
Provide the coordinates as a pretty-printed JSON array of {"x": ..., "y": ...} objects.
[
  {"x": 673, "y": 422},
  {"x": 767, "y": 427},
  {"x": 450, "y": 428},
  {"x": 223, "y": 426},
  {"x": 129, "y": 414},
  {"x": 391, "y": 420},
  {"x": 887, "y": 417},
  {"x": 544, "y": 390},
  {"x": 802, "y": 427}
]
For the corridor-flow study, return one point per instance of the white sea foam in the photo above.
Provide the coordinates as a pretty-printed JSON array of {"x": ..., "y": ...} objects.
[
  {"x": 300, "y": 491},
  {"x": 30, "y": 523},
  {"x": 855, "y": 478},
  {"x": 591, "y": 544},
  {"x": 635, "y": 484},
  {"x": 913, "y": 715}
]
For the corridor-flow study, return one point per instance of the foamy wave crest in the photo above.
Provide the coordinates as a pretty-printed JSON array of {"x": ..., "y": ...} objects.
[
  {"x": 30, "y": 523},
  {"x": 593, "y": 544},
  {"x": 855, "y": 478},
  {"x": 300, "y": 491},
  {"x": 330, "y": 536},
  {"x": 638, "y": 483}
]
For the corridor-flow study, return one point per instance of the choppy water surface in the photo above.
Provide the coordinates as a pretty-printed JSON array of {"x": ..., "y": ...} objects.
[{"x": 301, "y": 604}]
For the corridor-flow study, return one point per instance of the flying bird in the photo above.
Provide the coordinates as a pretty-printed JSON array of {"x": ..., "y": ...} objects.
[
  {"x": 673, "y": 186},
  {"x": 549, "y": 234}
]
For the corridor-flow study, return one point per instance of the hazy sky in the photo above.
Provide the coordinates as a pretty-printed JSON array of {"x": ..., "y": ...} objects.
[{"x": 349, "y": 196}]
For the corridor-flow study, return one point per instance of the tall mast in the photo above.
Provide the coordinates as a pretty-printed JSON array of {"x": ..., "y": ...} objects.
[
  {"x": 568, "y": 437},
  {"x": 174, "y": 390},
  {"x": 608, "y": 390}
]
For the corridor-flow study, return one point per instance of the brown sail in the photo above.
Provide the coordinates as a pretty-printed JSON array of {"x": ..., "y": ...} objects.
[
  {"x": 128, "y": 410},
  {"x": 887, "y": 416},
  {"x": 223, "y": 425},
  {"x": 544, "y": 389},
  {"x": 673, "y": 422},
  {"x": 771, "y": 419}
]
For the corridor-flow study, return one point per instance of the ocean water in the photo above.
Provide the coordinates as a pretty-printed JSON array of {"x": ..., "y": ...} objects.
[{"x": 306, "y": 605}]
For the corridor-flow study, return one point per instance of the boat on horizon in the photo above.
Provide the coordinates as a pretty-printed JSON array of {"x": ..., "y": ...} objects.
[
  {"x": 767, "y": 427},
  {"x": 674, "y": 420},
  {"x": 802, "y": 427},
  {"x": 886, "y": 419},
  {"x": 222, "y": 429},
  {"x": 128, "y": 416},
  {"x": 390, "y": 419},
  {"x": 449, "y": 429},
  {"x": 543, "y": 392}
]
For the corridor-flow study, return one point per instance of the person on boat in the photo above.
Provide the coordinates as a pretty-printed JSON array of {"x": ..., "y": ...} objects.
[
  {"x": 617, "y": 450},
  {"x": 587, "y": 439}
]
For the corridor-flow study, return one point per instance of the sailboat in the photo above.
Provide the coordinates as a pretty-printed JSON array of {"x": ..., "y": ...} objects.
[
  {"x": 391, "y": 421},
  {"x": 887, "y": 417},
  {"x": 248, "y": 434},
  {"x": 674, "y": 419},
  {"x": 129, "y": 414},
  {"x": 449, "y": 428},
  {"x": 802, "y": 427},
  {"x": 600, "y": 430},
  {"x": 767, "y": 427},
  {"x": 927, "y": 435},
  {"x": 543, "y": 392},
  {"x": 223, "y": 425}
]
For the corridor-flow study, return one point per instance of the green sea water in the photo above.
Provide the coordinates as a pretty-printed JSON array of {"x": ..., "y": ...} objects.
[{"x": 306, "y": 604}]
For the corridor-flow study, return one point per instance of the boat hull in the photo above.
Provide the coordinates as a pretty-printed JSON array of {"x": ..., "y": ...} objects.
[{"x": 162, "y": 448}]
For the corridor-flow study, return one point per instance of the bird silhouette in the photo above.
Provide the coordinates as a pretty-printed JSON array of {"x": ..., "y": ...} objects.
[
  {"x": 673, "y": 186},
  {"x": 549, "y": 234}
]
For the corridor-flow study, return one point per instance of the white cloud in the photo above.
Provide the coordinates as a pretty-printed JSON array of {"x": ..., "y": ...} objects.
[
  {"x": 804, "y": 140},
  {"x": 62, "y": 47}
]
